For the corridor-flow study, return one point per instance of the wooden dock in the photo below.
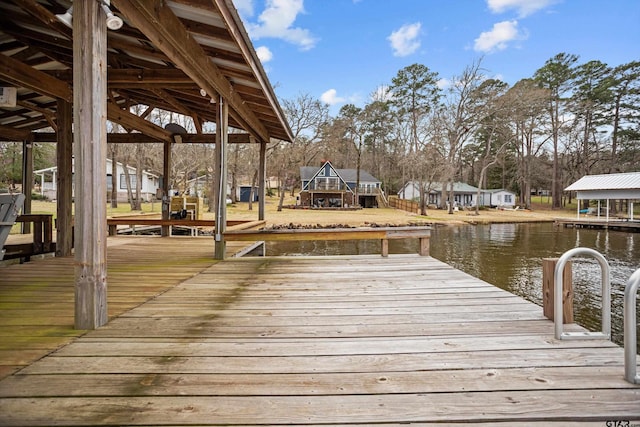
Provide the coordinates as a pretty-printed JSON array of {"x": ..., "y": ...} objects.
[{"x": 350, "y": 340}]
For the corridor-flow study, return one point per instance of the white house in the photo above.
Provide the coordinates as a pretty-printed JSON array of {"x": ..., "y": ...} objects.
[
  {"x": 148, "y": 190},
  {"x": 463, "y": 194}
]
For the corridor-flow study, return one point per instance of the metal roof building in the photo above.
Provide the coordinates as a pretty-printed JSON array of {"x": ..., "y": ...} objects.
[
  {"x": 625, "y": 186},
  {"x": 608, "y": 186}
]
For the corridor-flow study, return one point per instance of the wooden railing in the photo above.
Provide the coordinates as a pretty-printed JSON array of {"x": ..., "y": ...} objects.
[
  {"x": 113, "y": 223},
  {"x": 384, "y": 234}
]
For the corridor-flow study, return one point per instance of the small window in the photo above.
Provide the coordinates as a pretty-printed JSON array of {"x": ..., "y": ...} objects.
[{"x": 123, "y": 181}]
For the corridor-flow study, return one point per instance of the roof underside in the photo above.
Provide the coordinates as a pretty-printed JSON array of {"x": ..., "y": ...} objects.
[{"x": 166, "y": 56}]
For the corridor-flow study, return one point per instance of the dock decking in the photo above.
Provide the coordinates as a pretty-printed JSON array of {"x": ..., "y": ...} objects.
[
  {"x": 325, "y": 341},
  {"x": 37, "y": 298}
]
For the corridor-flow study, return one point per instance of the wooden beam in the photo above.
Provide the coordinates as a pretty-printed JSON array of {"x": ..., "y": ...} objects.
[
  {"x": 20, "y": 74},
  {"x": 90, "y": 150},
  {"x": 130, "y": 120},
  {"x": 45, "y": 16},
  {"x": 9, "y": 134},
  {"x": 64, "y": 196},
  {"x": 46, "y": 113},
  {"x": 163, "y": 28},
  {"x": 138, "y": 138},
  {"x": 128, "y": 78},
  {"x": 179, "y": 106}
]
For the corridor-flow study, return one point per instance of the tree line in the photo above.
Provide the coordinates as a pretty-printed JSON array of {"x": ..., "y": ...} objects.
[{"x": 567, "y": 120}]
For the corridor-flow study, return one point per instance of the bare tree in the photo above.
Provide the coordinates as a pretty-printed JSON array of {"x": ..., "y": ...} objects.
[{"x": 458, "y": 119}]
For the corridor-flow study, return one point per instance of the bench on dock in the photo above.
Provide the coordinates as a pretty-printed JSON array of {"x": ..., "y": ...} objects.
[
  {"x": 384, "y": 234},
  {"x": 41, "y": 239},
  {"x": 10, "y": 205}
]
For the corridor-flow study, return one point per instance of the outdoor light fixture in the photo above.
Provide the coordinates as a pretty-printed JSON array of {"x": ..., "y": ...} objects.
[
  {"x": 66, "y": 17},
  {"x": 113, "y": 22}
]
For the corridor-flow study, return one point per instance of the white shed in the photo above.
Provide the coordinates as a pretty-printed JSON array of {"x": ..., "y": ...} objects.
[{"x": 499, "y": 197}]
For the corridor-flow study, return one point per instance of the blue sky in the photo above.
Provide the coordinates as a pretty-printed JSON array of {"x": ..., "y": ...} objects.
[{"x": 341, "y": 51}]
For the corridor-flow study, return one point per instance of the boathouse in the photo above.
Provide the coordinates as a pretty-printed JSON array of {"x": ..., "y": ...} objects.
[{"x": 607, "y": 187}]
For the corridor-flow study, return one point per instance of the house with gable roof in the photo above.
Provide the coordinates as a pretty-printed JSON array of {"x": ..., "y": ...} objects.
[{"x": 328, "y": 187}]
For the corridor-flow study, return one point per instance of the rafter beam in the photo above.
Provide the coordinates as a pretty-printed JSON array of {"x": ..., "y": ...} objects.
[
  {"x": 130, "y": 120},
  {"x": 8, "y": 133},
  {"x": 179, "y": 106},
  {"x": 20, "y": 74},
  {"x": 139, "y": 138},
  {"x": 158, "y": 22},
  {"x": 251, "y": 57},
  {"x": 124, "y": 78},
  {"x": 45, "y": 16}
]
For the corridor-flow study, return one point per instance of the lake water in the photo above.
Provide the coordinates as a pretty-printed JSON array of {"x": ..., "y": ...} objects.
[{"x": 510, "y": 257}]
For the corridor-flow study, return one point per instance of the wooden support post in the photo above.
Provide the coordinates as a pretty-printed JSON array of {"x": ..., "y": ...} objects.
[
  {"x": 424, "y": 246},
  {"x": 262, "y": 178},
  {"x": 165, "y": 230},
  {"x": 220, "y": 178},
  {"x": 27, "y": 181},
  {"x": 64, "y": 198},
  {"x": 384, "y": 247},
  {"x": 548, "y": 286},
  {"x": 90, "y": 149}
]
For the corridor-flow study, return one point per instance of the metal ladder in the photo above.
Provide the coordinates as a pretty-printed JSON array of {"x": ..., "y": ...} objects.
[
  {"x": 630, "y": 295},
  {"x": 606, "y": 296},
  {"x": 630, "y": 340}
]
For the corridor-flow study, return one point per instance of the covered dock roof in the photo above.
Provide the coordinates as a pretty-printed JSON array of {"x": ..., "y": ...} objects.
[
  {"x": 175, "y": 56},
  {"x": 607, "y": 186}
]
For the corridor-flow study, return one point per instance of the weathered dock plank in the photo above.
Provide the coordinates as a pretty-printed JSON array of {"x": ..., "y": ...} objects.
[
  {"x": 37, "y": 298},
  {"x": 329, "y": 341}
]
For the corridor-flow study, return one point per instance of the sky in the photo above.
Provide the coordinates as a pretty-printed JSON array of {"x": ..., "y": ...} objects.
[{"x": 342, "y": 51}]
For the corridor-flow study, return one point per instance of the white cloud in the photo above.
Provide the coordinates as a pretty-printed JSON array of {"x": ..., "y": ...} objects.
[
  {"x": 443, "y": 83},
  {"x": 523, "y": 7},
  {"x": 404, "y": 41},
  {"x": 331, "y": 97},
  {"x": 498, "y": 38},
  {"x": 277, "y": 20},
  {"x": 245, "y": 7},
  {"x": 264, "y": 54}
]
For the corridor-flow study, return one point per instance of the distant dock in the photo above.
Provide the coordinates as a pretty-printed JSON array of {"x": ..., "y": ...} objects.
[{"x": 599, "y": 223}]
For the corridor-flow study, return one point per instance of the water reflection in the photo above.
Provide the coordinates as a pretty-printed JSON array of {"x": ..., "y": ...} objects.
[{"x": 510, "y": 257}]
